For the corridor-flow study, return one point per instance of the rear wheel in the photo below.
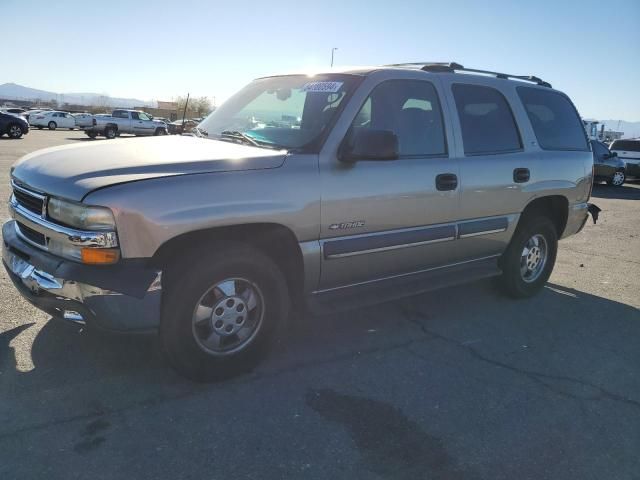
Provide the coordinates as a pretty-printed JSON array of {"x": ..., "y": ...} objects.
[
  {"x": 530, "y": 257},
  {"x": 14, "y": 131},
  {"x": 618, "y": 179},
  {"x": 110, "y": 133},
  {"x": 52, "y": 125},
  {"x": 92, "y": 134},
  {"x": 221, "y": 310}
]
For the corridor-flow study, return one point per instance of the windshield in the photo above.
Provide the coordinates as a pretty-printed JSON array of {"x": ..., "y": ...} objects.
[{"x": 281, "y": 112}]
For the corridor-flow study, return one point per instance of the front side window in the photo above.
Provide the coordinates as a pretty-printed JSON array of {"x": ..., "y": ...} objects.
[
  {"x": 554, "y": 119},
  {"x": 486, "y": 120},
  {"x": 409, "y": 108},
  {"x": 291, "y": 112},
  {"x": 135, "y": 116}
]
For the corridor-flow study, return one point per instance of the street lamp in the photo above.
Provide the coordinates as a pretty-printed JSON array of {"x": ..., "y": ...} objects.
[{"x": 332, "y": 52}]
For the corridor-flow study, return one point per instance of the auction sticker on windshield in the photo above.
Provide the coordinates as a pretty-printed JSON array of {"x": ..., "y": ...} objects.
[{"x": 326, "y": 87}]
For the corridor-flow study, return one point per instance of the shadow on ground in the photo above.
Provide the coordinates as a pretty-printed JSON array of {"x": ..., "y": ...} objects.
[{"x": 624, "y": 192}]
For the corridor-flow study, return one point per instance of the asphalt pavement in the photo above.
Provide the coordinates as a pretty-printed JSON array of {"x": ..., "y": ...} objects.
[{"x": 461, "y": 383}]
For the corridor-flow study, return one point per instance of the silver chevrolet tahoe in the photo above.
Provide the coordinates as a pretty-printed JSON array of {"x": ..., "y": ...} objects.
[{"x": 326, "y": 191}]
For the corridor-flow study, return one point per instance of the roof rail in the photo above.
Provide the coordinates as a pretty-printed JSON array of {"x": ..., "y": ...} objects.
[{"x": 453, "y": 67}]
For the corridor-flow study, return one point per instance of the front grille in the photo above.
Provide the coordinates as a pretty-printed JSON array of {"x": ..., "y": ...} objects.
[
  {"x": 30, "y": 202},
  {"x": 32, "y": 235}
]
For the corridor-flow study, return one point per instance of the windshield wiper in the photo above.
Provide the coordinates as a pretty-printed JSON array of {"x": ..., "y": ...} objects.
[
  {"x": 200, "y": 132},
  {"x": 239, "y": 136}
]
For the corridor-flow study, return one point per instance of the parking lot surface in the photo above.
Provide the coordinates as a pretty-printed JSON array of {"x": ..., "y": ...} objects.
[{"x": 455, "y": 384}]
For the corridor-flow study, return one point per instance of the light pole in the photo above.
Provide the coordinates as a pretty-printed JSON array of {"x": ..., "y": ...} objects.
[{"x": 332, "y": 52}]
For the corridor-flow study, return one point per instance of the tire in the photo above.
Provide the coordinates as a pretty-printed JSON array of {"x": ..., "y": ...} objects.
[
  {"x": 110, "y": 133},
  {"x": 52, "y": 125},
  {"x": 519, "y": 279},
  {"x": 199, "y": 349},
  {"x": 92, "y": 134},
  {"x": 618, "y": 179},
  {"x": 160, "y": 131},
  {"x": 14, "y": 131}
]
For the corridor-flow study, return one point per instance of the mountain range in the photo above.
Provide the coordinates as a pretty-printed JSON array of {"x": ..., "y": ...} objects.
[{"x": 13, "y": 91}]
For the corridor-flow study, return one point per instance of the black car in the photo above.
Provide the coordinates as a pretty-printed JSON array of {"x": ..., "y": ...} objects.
[
  {"x": 13, "y": 125},
  {"x": 607, "y": 166}
]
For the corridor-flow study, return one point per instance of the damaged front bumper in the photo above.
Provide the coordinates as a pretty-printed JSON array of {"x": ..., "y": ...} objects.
[{"x": 122, "y": 297}]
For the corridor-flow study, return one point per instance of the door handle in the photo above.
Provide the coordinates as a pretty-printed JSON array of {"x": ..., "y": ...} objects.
[
  {"x": 521, "y": 175},
  {"x": 446, "y": 181}
]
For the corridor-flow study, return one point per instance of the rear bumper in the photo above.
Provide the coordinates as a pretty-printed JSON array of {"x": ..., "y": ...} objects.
[
  {"x": 124, "y": 298},
  {"x": 576, "y": 219}
]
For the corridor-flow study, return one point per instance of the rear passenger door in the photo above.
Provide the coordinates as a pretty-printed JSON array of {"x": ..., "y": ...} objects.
[
  {"x": 385, "y": 218},
  {"x": 495, "y": 168}
]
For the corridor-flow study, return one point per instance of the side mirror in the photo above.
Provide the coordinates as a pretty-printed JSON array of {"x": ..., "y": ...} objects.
[{"x": 369, "y": 144}]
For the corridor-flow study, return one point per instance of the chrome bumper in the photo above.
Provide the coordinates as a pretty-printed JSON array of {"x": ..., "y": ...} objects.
[{"x": 79, "y": 301}]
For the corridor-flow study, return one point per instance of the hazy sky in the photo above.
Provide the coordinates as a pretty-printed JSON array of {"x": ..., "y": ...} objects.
[{"x": 159, "y": 49}]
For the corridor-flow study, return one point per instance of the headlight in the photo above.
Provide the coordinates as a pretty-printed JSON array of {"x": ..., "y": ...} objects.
[{"x": 80, "y": 216}]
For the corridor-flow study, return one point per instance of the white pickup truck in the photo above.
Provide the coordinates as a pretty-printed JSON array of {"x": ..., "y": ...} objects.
[{"x": 125, "y": 121}]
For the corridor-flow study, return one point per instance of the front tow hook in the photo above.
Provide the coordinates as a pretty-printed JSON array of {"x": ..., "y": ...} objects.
[{"x": 594, "y": 210}]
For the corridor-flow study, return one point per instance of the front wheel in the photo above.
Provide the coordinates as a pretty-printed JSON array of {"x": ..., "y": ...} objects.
[
  {"x": 618, "y": 179},
  {"x": 529, "y": 259},
  {"x": 15, "y": 131},
  {"x": 221, "y": 309},
  {"x": 52, "y": 125},
  {"x": 160, "y": 131}
]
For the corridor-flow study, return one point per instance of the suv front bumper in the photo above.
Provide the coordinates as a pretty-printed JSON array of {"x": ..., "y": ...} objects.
[{"x": 121, "y": 297}]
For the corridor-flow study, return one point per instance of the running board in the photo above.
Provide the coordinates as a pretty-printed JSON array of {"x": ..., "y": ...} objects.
[{"x": 385, "y": 290}]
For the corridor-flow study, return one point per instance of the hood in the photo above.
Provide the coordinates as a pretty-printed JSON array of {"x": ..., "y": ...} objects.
[{"x": 72, "y": 171}]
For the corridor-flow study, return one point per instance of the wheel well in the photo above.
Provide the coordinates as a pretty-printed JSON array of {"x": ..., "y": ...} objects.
[
  {"x": 275, "y": 240},
  {"x": 112, "y": 125},
  {"x": 555, "y": 207}
]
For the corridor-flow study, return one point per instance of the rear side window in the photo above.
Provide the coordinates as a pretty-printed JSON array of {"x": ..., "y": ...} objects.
[
  {"x": 626, "y": 145},
  {"x": 554, "y": 119},
  {"x": 486, "y": 120}
]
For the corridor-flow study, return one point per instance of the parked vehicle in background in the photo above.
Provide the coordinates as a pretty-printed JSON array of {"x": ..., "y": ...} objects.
[
  {"x": 395, "y": 180},
  {"x": 28, "y": 113},
  {"x": 178, "y": 128},
  {"x": 134, "y": 122},
  {"x": 628, "y": 150},
  {"x": 13, "y": 125},
  {"x": 83, "y": 120},
  {"x": 52, "y": 120},
  {"x": 607, "y": 167},
  {"x": 15, "y": 111}
]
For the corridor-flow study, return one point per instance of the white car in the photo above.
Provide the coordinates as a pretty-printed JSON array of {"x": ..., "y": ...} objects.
[
  {"x": 53, "y": 120},
  {"x": 628, "y": 150},
  {"x": 83, "y": 120}
]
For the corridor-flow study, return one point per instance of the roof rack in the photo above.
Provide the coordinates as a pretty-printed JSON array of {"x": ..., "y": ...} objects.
[{"x": 435, "y": 67}]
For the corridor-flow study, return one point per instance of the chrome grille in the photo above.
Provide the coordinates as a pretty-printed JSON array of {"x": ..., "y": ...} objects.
[{"x": 31, "y": 201}]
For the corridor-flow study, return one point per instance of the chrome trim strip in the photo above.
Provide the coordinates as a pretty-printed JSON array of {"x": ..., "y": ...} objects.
[
  {"x": 400, "y": 275},
  {"x": 486, "y": 232},
  {"x": 392, "y": 247},
  {"x": 79, "y": 238}
]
